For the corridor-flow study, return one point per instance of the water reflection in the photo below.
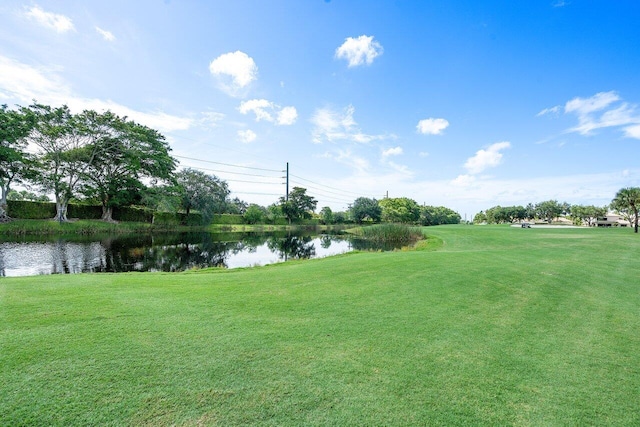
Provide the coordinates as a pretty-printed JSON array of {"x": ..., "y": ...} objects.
[{"x": 165, "y": 252}]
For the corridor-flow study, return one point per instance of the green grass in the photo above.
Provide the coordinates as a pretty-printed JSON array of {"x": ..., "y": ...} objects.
[{"x": 496, "y": 326}]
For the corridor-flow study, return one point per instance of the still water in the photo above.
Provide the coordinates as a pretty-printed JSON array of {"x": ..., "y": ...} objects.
[{"x": 168, "y": 252}]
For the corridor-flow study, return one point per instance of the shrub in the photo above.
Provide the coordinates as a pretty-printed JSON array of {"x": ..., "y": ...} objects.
[
  {"x": 84, "y": 211},
  {"x": 228, "y": 219},
  {"x": 133, "y": 214},
  {"x": 30, "y": 210},
  {"x": 392, "y": 233}
]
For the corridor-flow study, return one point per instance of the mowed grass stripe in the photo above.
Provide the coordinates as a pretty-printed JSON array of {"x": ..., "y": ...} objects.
[{"x": 498, "y": 326}]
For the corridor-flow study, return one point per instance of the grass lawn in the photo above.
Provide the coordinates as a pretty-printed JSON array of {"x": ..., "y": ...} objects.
[{"x": 497, "y": 326}]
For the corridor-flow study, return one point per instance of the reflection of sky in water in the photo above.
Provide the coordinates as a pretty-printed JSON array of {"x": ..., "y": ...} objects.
[
  {"x": 36, "y": 258},
  {"x": 262, "y": 255}
]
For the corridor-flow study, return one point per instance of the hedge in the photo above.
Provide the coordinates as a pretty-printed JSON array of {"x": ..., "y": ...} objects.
[
  {"x": 84, "y": 211},
  {"x": 228, "y": 219},
  {"x": 132, "y": 214},
  {"x": 24, "y": 209},
  {"x": 180, "y": 218}
]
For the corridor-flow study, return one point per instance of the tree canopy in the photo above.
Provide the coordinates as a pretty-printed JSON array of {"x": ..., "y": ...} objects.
[
  {"x": 364, "y": 208},
  {"x": 628, "y": 200}
]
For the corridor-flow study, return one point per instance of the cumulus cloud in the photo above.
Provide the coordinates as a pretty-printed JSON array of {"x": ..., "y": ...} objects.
[
  {"x": 52, "y": 21},
  {"x": 270, "y": 112},
  {"x": 395, "y": 151},
  {"x": 234, "y": 70},
  {"x": 331, "y": 126},
  {"x": 287, "y": 116},
  {"x": 432, "y": 126},
  {"x": 247, "y": 136},
  {"x": 107, "y": 35},
  {"x": 360, "y": 50},
  {"x": 24, "y": 83},
  {"x": 602, "y": 110},
  {"x": 484, "y": 159}
]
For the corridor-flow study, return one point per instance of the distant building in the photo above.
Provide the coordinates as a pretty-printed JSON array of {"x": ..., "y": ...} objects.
[{"x": 612, "y": 220}]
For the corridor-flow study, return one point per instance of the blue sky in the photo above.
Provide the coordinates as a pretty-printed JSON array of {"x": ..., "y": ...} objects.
[{"x": 466, "y": 104}]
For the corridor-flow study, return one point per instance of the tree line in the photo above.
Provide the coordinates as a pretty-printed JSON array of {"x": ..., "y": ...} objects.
[
  {"x": 626, "y": 202},
  {"x": 111, "y": 161}
]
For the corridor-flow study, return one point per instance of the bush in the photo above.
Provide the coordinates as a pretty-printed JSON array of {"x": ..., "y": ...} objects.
[
  {"x": 133, "y": 214},
  {"x": 392, "y": 233},
  {"x": 228, "y": 219},
  {"x": 23, "y": 209},
  {"x": 84, "y": 211}
]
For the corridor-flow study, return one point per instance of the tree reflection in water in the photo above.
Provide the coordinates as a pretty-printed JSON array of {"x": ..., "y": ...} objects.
[{"x": 34, "y": 255}]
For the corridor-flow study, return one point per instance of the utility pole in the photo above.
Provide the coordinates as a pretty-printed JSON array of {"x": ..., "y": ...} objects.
[{"x": 287, "y": 195}]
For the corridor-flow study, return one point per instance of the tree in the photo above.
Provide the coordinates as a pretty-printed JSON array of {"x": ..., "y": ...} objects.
[
  {"x": 254, "y": 214},
  {"x": 364, "y": 208},
  {"x": 326, "y": 215},
  {"x": 628, "y": 199},
  {"x": 203, "y": 192},
  {"x": 299, "y": 206},
  {"x": 586, "y": 214},
  {"x": 480, "y": 218},
  {"x": 126, "y": 153},
  {"x": 26, "y": 195},
  {"x": 66, "y": 148},
  {"x": 549, "y": 210},
  {"x": 400, "y": 209},
  {"x": 15, "y": 164},
  {"x": 437, "y": 215}
]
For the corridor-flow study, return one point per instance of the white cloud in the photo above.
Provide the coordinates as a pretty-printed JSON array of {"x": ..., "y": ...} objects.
[
  {"x": 333, "y": 126},
  {"x": 463, "y": 180},
  {"x": 358, "y": 51},
  {"x": 551, "y": 111},
  {"x": 24, "y": 83},
  {"x": 396, "y": 151},
  {"x": 632, "y": 131},
  {"x": 603, "y": 110},
  {"x": 423, "y": 154},
  {"x": 432, "y": 126},
  {"x": 483, "y": 159},
  {"x": 257, "y": 106},
  {"x": 107, "y": 35},
  {"x": 247, "y": 136},
  {"x": 346, "y": 157},
  {"x": 287, "y": 116},
  {"x": 235, "y": 71},
  {"x": 53, "y": 21},
  {"x": 211, "y": 118},
  {"x": 263, "y": 110}
]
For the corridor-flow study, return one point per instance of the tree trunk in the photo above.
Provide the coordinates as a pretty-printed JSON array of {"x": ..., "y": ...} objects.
[
  {"x": 4, "y": 217},
  {"x": 61, "y": 210},
  {"x": 107, "y": 214}
]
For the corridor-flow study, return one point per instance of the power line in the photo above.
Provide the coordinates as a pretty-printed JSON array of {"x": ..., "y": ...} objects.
[
  {"x": 235, "y": 173},
  {"x": 228, "y": 164},
  {"x": 333, "y": 188}
]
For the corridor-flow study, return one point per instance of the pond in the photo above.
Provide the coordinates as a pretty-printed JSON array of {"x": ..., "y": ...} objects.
[{"x": 165, "y": 252}]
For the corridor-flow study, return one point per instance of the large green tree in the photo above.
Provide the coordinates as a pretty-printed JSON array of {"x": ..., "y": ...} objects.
[
  {"x": 582, "y": 214},
  {"x": 299, "y": 204},
  {"x": 549, "y": 210},
  {"x": 400, "y": 209},
  {"x": 628, "y": 200},
  {"x": 365, "y": 208},
  {"x": 127, "y": 154},
  {"x": 66, "y": 149},
  {"x": 16, "y": 165},
  {"x": 437, "y": 215},
  {"x": 203, "y": 192}
]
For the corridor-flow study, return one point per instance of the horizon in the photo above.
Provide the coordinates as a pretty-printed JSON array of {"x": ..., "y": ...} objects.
[{"x": 463, "y": 105}]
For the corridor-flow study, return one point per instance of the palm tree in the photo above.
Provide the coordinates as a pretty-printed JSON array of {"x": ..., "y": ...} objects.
[{"x": 628, "y": 199}]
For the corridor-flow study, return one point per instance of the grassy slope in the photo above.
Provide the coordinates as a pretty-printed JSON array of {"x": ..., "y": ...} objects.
[{"x": 498, "y": 326}]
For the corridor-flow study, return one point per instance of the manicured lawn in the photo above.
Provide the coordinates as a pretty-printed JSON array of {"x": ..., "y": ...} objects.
[{"x": 497, "y": 326}]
